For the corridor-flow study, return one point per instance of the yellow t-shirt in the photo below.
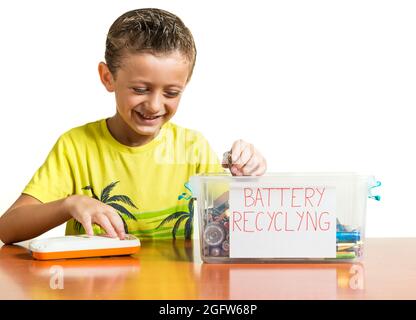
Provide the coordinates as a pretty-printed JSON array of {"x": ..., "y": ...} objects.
[{"x": 147, "y": 185}]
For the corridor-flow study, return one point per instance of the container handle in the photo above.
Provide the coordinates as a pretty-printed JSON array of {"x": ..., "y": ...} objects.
[{"x": 370, "y": 195}]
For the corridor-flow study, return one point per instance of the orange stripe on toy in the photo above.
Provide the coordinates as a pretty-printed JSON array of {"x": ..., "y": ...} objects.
[{"x": 85, "y": 253}]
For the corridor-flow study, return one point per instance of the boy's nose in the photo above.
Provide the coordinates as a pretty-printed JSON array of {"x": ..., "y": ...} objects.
[{"x": 155, "y": 103}]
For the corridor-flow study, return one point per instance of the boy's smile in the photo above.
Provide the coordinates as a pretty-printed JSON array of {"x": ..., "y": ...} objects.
[{"x": 148, "y": 89}]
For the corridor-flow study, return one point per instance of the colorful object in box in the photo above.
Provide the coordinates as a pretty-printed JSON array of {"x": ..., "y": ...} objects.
[
  {"x": 351, "y": 236},
  {"x": 346, "y": 255}
]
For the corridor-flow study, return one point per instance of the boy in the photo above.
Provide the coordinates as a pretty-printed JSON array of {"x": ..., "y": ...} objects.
[{"x": 128, "y": 173}]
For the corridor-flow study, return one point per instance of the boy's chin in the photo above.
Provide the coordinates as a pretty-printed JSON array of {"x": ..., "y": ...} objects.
[{"x": 148, "y": 130}]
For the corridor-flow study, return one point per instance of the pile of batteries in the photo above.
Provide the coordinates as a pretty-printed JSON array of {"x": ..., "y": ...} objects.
[{"x": 216, "y": 238}]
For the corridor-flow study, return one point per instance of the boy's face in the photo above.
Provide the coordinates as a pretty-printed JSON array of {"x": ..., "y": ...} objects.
[{"x": 148, "y": 90}]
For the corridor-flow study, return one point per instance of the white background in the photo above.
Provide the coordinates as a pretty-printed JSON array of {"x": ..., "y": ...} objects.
[{"x": 315, "y": 85}]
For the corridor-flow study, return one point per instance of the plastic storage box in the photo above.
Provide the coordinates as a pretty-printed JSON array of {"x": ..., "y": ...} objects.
[{"x": 282, "y": 217}]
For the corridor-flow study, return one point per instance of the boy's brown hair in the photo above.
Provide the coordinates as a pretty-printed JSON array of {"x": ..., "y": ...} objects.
[{"x": 148, "y": 30}]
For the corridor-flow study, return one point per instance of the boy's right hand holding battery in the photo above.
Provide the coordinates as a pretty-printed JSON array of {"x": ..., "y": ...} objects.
[{"x": 244, "y": 160}]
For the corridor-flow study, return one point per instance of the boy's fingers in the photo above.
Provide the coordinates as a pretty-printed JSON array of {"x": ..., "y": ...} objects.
[
  {"x": 245, "y": 156},
  {"x": 236, "y": 150},
  {"x": 103, "y": 221},
  {"x": 244, "y": 159},
  {"x": 117, "y": 224},
  {"x": 86, "y": 223},
  {"x": 261, "y": 169},
  {"x": 241, "y": 153},
  {"x": 251, "y": 166}
]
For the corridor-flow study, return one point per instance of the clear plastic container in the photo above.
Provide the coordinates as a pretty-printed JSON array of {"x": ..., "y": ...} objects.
[{"x": 282, "y": 217}]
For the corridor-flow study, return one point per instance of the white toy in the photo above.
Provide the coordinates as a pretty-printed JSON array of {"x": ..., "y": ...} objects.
[{"x": 82, "y": 246}]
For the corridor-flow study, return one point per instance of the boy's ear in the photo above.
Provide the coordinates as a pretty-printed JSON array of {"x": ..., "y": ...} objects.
[{"x": 106, "y": 77}]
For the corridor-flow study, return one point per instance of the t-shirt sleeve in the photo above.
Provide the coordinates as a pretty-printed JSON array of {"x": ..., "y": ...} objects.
[
  {"x": 53, "y": 180},
  {"x": 208, "y": 159}
]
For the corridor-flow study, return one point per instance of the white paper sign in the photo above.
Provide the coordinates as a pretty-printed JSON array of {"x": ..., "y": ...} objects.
[{"x": 272, "y": 221}]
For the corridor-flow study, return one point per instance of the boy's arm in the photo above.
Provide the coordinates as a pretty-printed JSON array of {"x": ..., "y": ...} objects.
[{"x": 27, "y": 218}]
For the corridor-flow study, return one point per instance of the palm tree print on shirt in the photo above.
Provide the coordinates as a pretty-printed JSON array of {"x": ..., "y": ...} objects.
[
  {"x": 111, "y": 201},
  {"x": 182, "y": 215}
]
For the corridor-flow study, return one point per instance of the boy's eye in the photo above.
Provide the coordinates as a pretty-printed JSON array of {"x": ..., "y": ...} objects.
[
  {"x": 140, "y": 90},
  {"x": 172, "y": 94}
]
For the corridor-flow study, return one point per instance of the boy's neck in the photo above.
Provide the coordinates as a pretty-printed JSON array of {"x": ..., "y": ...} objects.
[{"x": 124, "y": 134}]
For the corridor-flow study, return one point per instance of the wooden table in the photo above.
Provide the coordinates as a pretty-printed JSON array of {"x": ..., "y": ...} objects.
[{"x": 173, "y": 270}]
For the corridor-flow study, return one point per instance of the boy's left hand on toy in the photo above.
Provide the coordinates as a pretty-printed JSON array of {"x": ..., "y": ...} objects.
[{"x": 244, "y": 160}]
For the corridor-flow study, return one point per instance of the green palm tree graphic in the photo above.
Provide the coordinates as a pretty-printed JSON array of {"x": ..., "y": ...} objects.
[
  {"x": 111, "y": 201},
  {"x": 182, "y": 215}
]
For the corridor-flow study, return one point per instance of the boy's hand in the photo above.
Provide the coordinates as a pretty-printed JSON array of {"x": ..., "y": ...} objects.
[
  {"x": 87, "y": 211},
  {"x": 244, "y": 160}
]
